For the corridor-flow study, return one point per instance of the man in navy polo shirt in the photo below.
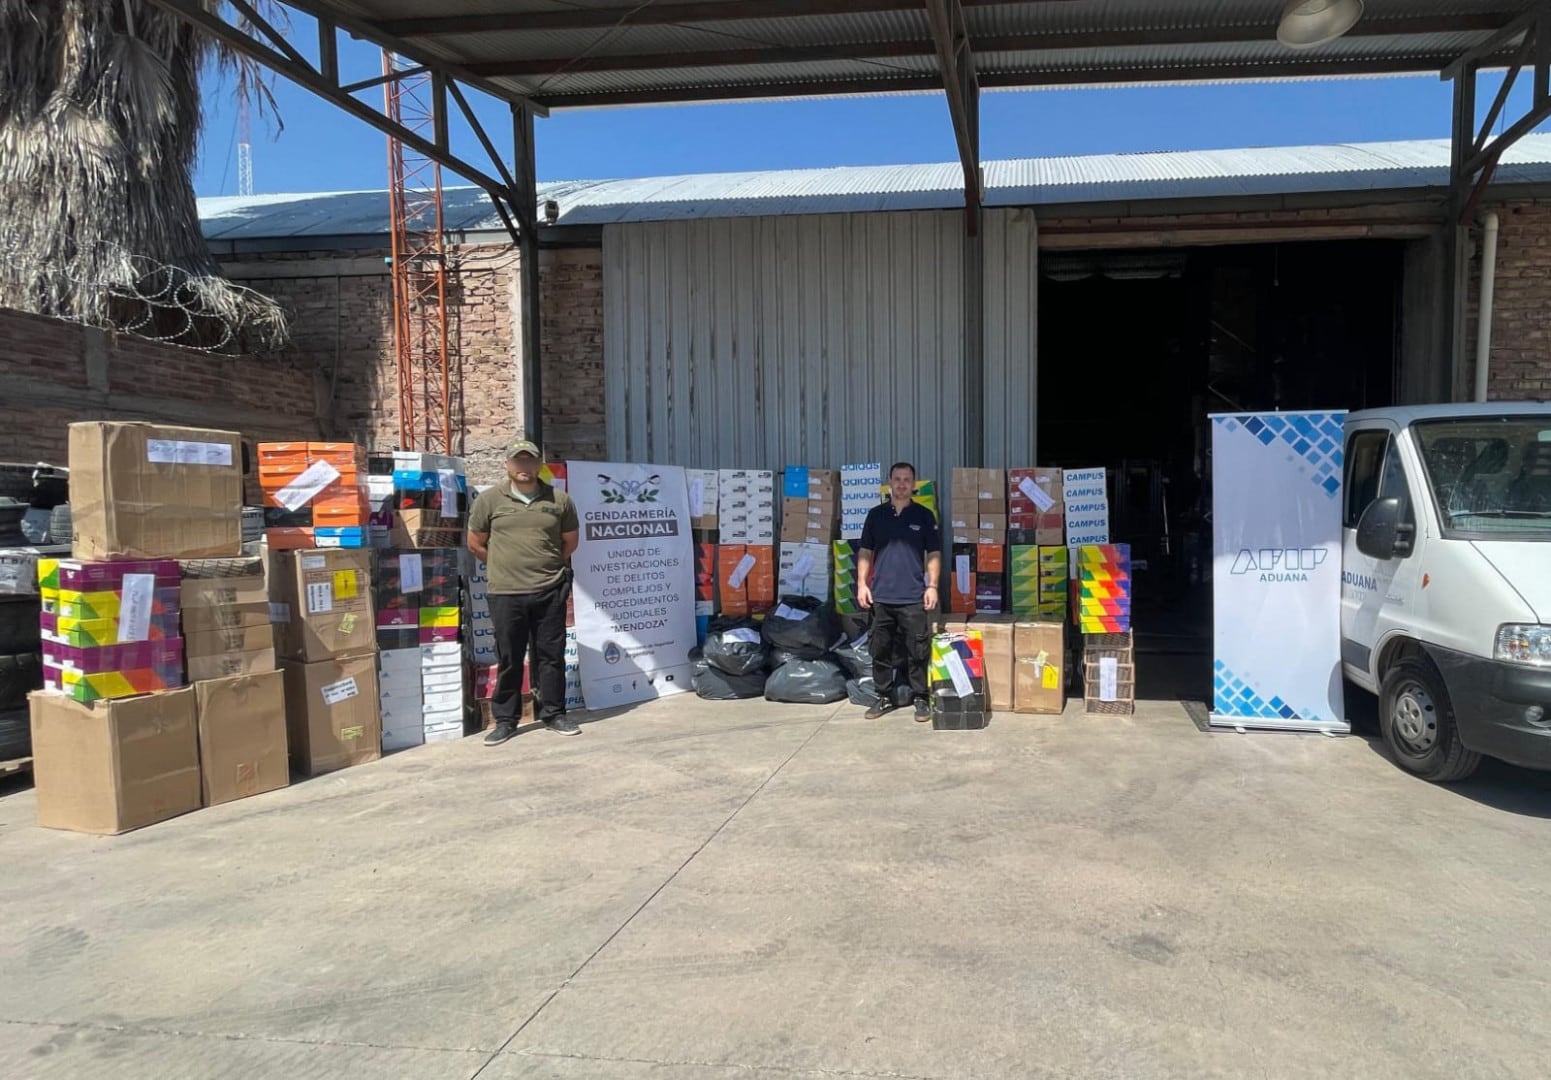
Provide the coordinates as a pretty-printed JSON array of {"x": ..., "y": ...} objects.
[{"x": 896, "y": 577}]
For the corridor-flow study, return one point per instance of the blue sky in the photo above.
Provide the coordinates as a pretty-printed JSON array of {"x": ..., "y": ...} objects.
[{"x": 323, "y": 149}]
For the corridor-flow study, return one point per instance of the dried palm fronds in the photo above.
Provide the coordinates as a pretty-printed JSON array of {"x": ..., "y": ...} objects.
[{"x": 99, "y": 129}]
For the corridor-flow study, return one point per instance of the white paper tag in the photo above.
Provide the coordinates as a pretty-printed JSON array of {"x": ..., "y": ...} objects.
[
  {"x": 1109, "y": 670},
  {"x": 1036, "y": 494},
  {"x": 696, "y": 497},
  {"x": 177, "y": 452},
  {"x": 343, "y": 690},
  {"x": 959, "y": 674},
  {"x": 279, "y": 613},
  {"x": 741, "y": 633},
  {"x": 320, "y": 597},
  {"x": 314, "y": 562},
  {"x": 792, "y": 614},
  {"x": 411, "y": 573},
  {"x": 449, "y": 484},
  {"x": 134, "y": 615},
  {"x": 299, "y": 492},
  {"x": 961, "y": 573},
  {"x": 803, "y": 566},
  {"x": 741, "y": 572}
]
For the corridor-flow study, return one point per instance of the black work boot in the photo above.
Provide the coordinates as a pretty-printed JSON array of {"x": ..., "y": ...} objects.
[
  {"x": 923, "y": 710},
  {"x": 503, "y": 730}
]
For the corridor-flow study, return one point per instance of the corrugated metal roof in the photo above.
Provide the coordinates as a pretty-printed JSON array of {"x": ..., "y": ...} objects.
[
  {"x": 579, "y": 52},
  {"x": 1188, "y": 174}
]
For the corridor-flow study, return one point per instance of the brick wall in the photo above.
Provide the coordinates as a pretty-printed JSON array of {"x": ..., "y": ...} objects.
[
  {"x": 571, "y": 281},
  {"x": 1521, "y": 308},
  {"x": 56, "y": 372},
  {"x": 341, "y": 309}
]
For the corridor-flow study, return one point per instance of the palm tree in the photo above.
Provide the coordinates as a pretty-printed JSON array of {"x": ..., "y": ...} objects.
[{"x": 99, "y": 128}]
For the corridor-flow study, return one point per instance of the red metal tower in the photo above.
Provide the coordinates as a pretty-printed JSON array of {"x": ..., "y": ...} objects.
[{"x": 426, "y": 420}]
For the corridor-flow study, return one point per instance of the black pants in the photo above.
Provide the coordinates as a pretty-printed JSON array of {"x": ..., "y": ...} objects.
[
  {"x": 521, "y": 621},
  {"x": 898, "y": 639}
]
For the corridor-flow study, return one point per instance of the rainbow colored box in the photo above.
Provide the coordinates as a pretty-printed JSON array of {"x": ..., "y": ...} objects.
[
  {"x": 109, "y": 604},
  {"x": 77, "y": 576}
]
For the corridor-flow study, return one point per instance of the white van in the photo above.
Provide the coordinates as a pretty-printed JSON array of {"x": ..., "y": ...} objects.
[{"x": 1446, "y": 581}]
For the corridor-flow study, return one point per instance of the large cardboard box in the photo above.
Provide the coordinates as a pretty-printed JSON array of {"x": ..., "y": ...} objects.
[
  {"x": 331, "y": 713},
  {"x": 112, "y": 766},
  {"x": 242, "y": 740},
  {"x": 1039, "y": 658},
  {"x": 141, "y": 491},
  {"x": 996, "y": 633},
  {"x": 327, "y": 598}
]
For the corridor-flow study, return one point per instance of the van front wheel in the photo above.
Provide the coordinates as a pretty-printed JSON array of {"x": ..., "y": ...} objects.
[{"x": 1417, "y": 720}]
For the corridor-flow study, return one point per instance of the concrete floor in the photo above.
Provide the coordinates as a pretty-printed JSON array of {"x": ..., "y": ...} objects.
[{"x": 757, "y": 891}]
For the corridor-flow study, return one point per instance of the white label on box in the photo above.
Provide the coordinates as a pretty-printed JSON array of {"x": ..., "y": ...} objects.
[
  {"x": 1036, "y": 495},
  {"x": 343, "y": 690},
  {"x": 803, "y": 565},
  {"x": 696, "y": 497},
  {"x": 741, "y": 572},
  {"x": 299, "y": 492},
  {"x": 134, "y": 619},
  {"x": 961, "y": 573},
  {"x": 960, "y": 676},
  {"x": 741, "y": 633},
  {"x": 793, "y": 614},
  {"x": 320, "y": 597},
  {"x": 411, "y": 573},
  {"x": 1108, "y": 676},
  {"x": 173, "y": 451},
  {"x": 279, "y": 613},
  {"x": 448, "y": 480},
  {"x": 314, "y": 562}
]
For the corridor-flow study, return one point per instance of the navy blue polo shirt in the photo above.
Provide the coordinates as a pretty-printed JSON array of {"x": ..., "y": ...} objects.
[{"x": 900, "y": 543}]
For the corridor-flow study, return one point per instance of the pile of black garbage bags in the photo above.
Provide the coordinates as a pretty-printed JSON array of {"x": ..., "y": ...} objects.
[{"x": 799, "y": 654}]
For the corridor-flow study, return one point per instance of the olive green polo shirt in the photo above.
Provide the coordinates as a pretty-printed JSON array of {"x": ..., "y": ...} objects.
[{"x": 525, "y": 553}]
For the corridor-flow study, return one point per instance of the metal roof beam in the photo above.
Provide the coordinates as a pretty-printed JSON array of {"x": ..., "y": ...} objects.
[
  {"x": 1033, "y": 42},
  {"x": 1292, "y": 69},
  {"x": 651, "y": 14},
  {"x": 956, "y": 63},
  {"x": 282, "y": 58}
]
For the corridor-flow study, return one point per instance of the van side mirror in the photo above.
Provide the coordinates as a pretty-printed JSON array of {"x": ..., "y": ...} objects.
[{"x": 1382, "y": 531}]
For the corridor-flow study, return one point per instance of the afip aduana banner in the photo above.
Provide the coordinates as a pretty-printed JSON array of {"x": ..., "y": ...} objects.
[{"x": 1276, "y": 571}]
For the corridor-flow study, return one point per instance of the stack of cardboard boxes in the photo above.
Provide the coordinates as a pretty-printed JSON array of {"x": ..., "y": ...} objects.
[
  {"x": 420, "y": 671},
  {"x": 703, "y": 487},
  {"x": 977, "y": 527},
  {"x": 326, "y": 640},
  {"x": 313, "y": 494},
  {"x": 956, "y": 679},
  {"x": 1086, "y": 494},
  {"x": 431, "y": 501},
  {"x": 118, "y": 741},
  {"x": 810, "y": 514},
  {"x": 745, "y": 578},
  {"x": 1109, "y": 674},
  {"x": 1025, "y": 661},
  {"x": 1104, "y": 588},
  {"x": 1036, "y": 534}
]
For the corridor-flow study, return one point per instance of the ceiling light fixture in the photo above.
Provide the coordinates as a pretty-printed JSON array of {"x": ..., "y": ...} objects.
[{"x": 1309, "y": 23}]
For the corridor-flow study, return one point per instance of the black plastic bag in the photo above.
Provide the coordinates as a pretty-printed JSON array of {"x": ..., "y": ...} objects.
[
  {"x": 862, "y": 692},
  {"x": 714, "y": 684},
  {"x": 775, "y": 657},
  {"x": 806, "y": 682},
  {"x": 855, "y": 657},
  {"x": 810, "y": 634},
  {"x": 735, "y": 646}
]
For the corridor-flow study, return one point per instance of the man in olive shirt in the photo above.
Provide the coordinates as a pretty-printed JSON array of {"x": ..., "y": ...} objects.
[{"x": 525, "y": 531}]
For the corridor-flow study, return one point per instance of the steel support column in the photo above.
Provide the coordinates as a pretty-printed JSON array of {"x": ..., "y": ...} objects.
[
  {"x": 529, "y": 293},
  {"x": 1474, "y": 156}
]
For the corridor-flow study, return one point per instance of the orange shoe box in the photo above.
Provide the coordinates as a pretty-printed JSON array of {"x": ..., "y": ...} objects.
[
  {"x": 288, "y": 539},
  {"x": 339, "y": 455},
  {"x": 282, "y": 453},
  {"x": 338, "y": 515}
]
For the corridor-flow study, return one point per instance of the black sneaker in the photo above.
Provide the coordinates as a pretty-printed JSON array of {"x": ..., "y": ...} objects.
[
  {"x": 882, "y": 709},
  {"x": 503, "y": 730},
  {"x": 923, "y": 711},
  {"x": 563, "y": 725}
]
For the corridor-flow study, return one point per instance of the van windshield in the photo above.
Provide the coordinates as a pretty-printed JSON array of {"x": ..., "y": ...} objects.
[{"x": 1491, "y": 476}]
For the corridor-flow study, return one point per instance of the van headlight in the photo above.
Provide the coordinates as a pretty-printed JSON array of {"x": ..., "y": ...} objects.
[{"x": 1520, "y": 643}]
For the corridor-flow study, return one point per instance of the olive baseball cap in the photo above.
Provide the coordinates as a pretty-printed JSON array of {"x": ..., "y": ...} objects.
[{"x": 523, "y": 446}]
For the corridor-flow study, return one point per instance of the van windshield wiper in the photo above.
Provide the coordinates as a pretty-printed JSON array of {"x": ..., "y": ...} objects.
[{"x": 1501, "y": 513}]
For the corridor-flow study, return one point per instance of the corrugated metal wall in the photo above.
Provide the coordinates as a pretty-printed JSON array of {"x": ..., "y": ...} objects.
[
  {"x": 1010, "y": 303},
  {"x": 763, "y": 342}
]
